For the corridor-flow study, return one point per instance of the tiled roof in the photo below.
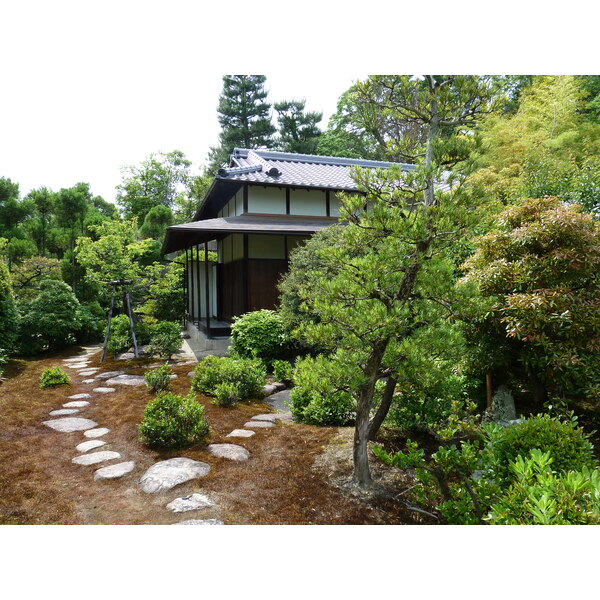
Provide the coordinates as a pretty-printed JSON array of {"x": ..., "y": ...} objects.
[{"x": 268, "y": 167}]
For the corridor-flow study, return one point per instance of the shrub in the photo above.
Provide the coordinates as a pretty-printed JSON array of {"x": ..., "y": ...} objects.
[
  {"x": 8, "y": 312},
  {"x": 92, "y": 323},
  {"x": 3, "y": 360},
  {"x": 567, "y": 445},
  {"x": 248, "y": 376},
  {"x": 259, "y": 334},
  {"x": 120, "y": 335},
  {"x": 540, "y": 497},
  {"x": 165, "y": 339},
  {"x": 226, "y": 394},
  {"x": 173, "y": 421},
  {"x": 159, "y": 380},
  {"x": 319, "y": 397},
  {"x": 282, "y": 370},
  {"x": 53, "y": 376}
]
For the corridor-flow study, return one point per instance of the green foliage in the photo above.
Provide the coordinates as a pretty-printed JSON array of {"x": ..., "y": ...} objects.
[
  {"x": 120, "y": 339},
  {"x": 226, "y": 394},
  {"x": 92, "y": 323},
  {"x": 259, "y": 334},
  {"x": 9, "y": 322},
  {"x": 53, "y": 376},
  {"x": 320, "y": 395},
  {"x": 247, "y": 375},
  {"x": 282, "y": 370},
  {"x": 165, "y": 339},
  {"x": 163, "y": 292},
  {"x": 156, "y": 222},
  {"x": 566, "y": 444},
  {"x": 3, "y": 360},
  {"x": 51, "y": 320},
  {"x": 27, "y": 276},
  {"x": 539, "y": 496},
  {"x": 298, "y": 130},
  {"x": 173, "y": 421},
  {"x": 159, "y": 380}
]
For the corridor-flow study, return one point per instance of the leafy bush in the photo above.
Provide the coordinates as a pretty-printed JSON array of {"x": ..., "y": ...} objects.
[
  {"x": 159, "y": 380},
  {"x": 539, "y": 496},
  {"x": 120, "y": 339},
  {"x": 259, "y": 334},
  {"x": 53, "y": 376},
  {"x": 165, "y": 339},
  {"x": 282, "y": 370},
  {"x": 173, "y": 421},
  {"x": 247, "y": 375},
  {"x": 320, "y": 397},
  {"x": 3, "y": 360},
  {"x": 567, "y": 445},
  {"x": 8, "y": 312},
  {"x": 92, "y": 323},
  {"x": 226, "y": 394}
]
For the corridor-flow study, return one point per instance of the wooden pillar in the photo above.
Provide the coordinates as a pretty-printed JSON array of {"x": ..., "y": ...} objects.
[
  {"x": 207, "y": 286},
  {"x": 186, "y": 286},
  {"x": 191, "y": 284},
  {"x": 198, "y": 286}
]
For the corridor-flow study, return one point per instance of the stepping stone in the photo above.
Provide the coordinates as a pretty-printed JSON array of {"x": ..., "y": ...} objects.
[
  {"x": 114, "y": 471},
  {"x": 87, "y": 372},
  {"x": 69, "y": 424},
  {"x": 104, "y": 390},
  {"x": 280, "y": 401},
  {"x": 258, "y": 424},
  {"x": 166, "y": 474},
  {"x": 126, "y": 380},
  {"x": 79, "y": 396},
  {"x": 75, "y": 359},
  {"x": 94, "y": 433},
  {"x": 76, "y": 404},
  {"x": 95, "y": 457},
  {"x": 126, "y": 356},
  {"x": 81, "y": 365},
  {"x": 191, "y": 502},
  {"x": 230, "y": 451},
  {"x": 88, "y": 381},
  {"x": 272, "y": 417},
  {"x": 241, "y": 433},
  {"x": 63, "y": 411},
  {"x": 191, "y": 374},
  {"x": 109, "y": 374},
  {"x": 87, "y": 446},
  {"x": 200, "y": 522}
]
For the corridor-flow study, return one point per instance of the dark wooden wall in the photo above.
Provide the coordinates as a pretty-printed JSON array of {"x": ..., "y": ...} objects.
[{"x": 263, "y": 275}]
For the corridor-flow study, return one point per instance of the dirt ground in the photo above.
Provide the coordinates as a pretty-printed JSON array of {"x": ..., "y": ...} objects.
[{"x": 296, "y": 474}]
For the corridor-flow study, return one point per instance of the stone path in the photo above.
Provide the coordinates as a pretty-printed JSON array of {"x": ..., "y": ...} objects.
[{"x": 163, "y": 475}]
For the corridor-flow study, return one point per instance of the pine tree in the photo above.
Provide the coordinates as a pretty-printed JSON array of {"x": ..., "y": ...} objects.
[
  {"x": 298, "y": 130},
  {"x": 244, "y": 117}
]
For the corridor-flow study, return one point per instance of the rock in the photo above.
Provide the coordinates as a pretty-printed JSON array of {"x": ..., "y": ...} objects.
[
  {"x": 279, "y": 401},
  {"x": 69, "y": 424},
  {"x": 126, "y": 380},
  {"x": 109, "y": 374},
  {"x": 78, "y": 358},
  {"x": 79, "y": 365},
  {"x": 76, "y": 404},
  {"x": 167, "y": 474},
  {"x": 87, "y": 446},
  {"x": 191, "y": 374},
  {"x": 241, "y": 433},
  {"x": 63, "y": 411},
  {"x": 268, "y": 389},
  {"x": 88, "y": 381},
  {"x": 87, "y": 372},
  {"x": 94, "y": 433},
  {"x": 191, "y": 502},
  {"x": 114, "y": 471},
  {"x": 103, "y": 390},
  {"x": 126, "y": 356},
  {"x": 503, "y": 407},
  {"x": 200, "y": 522},
  {"x": 258, "y": 424},
  {"x": 95, "y": 457},
  {"x": 272, "y": 417},
  {"x": 229, "y": 451},
  {"x": 79, "y": 396}
]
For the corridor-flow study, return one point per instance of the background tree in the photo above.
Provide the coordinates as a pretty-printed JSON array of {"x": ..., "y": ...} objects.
[
  {"x": 298, "y": 129},
  {"x": 8, "y": 312},
  {"x": 43, "y": 201},
  {"x": 244, "y": 116}
]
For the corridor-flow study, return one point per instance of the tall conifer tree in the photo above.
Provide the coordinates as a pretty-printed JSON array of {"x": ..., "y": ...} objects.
[{"x": 298, "y": 130}]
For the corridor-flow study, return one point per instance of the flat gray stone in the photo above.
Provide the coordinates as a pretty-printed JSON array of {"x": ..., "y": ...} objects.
[
  {"x": 279, "y": 401},
  {"x": 191, "y": 502},
  {"x": 272, "y": 417},
  {"x": 79, "y": 396},
  {"x": 243, "y": 433},
  {"x": 200, "y": 522},
  {"x": 126, "y": 356},
  {"x": 68, "y": 424},
  {"x": 104, "y": 390},
  {"x": 87, "y": 446},
  {"x": 114, "y": 471},
  {"x": 109, "y": 374},
  {"x": 94, "y": 433},
  {"x": 88, "y": 381},
  {"x": 166, "y": 474},
  {"x": 126, "y": 380},
  {"x": 75, "y": 359},
  {"x": 79, "y": 365},
  {"x": 63, "y": 411},
  {"x": 229, "y": 451},
  {"x": 191, "y": 374},
  {"x": 76, "y": 404},
  {"x": 87, "y": 372},
  {"x": 258, "y": 424},
  {"x": 95, "y": 457}
]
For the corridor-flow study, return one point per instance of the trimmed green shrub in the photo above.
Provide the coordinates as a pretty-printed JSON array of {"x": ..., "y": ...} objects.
[
  {"x": 226, "y": 394},
  {"x": 173, "y": 421},
  {"x": 539, "y": 496},
  {"x": 9, "y": 318},
  {"x": 567, "y": 445},
  {"x": 159, "y": 380},
  {"x": 3, "y": 360},
  {"x": 259, "y": 334},
  {"x": 282, "y": 370},
  {"x": 165, "y": 339},
  {"x": 120, "y": 335},
  {"x": 53, "y": 376},
  {"x": 92, "y": 323},
  {"x": 319, "y": 396},
  {"x": 247, "y": 375}
]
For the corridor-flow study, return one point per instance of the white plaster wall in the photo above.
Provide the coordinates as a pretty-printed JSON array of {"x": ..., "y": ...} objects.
[
  {"x": 308, "y": 203},
  {"x": 193, "y": 281},
  {"x": 266, "y": 200}
]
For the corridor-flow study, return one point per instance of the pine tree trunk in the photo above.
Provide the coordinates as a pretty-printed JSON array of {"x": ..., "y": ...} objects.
[{"x": 383, "y": 409}]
